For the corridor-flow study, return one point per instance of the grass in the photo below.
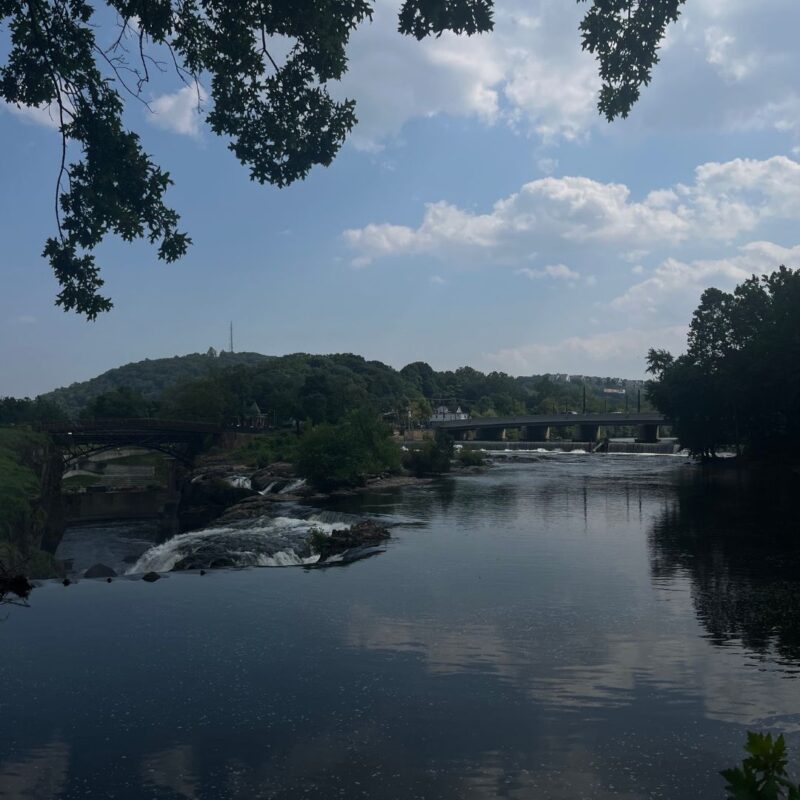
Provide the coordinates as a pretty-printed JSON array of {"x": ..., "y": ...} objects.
[{"x": 19, "y": 484}]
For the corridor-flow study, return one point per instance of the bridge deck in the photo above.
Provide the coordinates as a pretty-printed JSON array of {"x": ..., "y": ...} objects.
[{"x": 607, "y": 419}]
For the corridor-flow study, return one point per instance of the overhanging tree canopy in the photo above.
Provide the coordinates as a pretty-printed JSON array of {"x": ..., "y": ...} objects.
[{"x": 276, "y": 112}]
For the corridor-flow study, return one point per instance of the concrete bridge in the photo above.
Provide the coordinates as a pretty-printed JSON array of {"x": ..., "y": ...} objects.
[{"x": 536, "y": 427}]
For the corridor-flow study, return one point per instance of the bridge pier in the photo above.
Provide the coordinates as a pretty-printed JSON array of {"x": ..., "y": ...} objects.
[
  {"x": 491, "y": 434},
  {"x": 536, "y": 433},
  {"x": 588, "y": 433},
  {"x": 648, "y": 434}
]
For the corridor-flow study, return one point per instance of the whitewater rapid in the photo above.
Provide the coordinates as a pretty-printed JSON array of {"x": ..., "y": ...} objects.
[{"x": 263, "y": 542}]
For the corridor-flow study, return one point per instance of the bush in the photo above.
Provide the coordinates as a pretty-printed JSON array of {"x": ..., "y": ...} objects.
[
  {"x": 762, "y": 775},
  {"x": 19, "y": 484},
  {"x": 470, "y": 458},
  {"x": 433, "y": 458},
  {"x": 344, "y": 455}
]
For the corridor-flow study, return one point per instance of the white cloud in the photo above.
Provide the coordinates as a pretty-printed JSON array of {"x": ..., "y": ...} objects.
[
  {"x": 523, "y": 73},
  {"x": 547, "y": 165},
  {"x": 726, "y": 64},
  {"x": 21, "y": 319},
  {"x": 679, "y": 281},
  {"x": 47, "y": 115},
  {"x": 725, "y": 200},
  {"x": 179, "y": 112},
  {"x": 620, "y": 352},
  {"x": 559, "y": 272},
  {"x": 437, "y": 280},
  {"x": 724, "y": 55}
]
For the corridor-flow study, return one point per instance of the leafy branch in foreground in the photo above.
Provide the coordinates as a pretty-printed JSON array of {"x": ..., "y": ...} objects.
[
  {"x": 268, "y": 65},
  {"x": 762, "y": 775}
]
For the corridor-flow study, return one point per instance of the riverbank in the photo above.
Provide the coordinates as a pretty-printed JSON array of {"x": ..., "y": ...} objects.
[{"x": 31, "y": 511}]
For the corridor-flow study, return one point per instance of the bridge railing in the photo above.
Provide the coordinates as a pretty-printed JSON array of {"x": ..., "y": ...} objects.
[{"x": 132, "y": 423}]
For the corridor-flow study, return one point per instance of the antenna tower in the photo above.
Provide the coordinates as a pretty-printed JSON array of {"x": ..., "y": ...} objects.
[{"x": 231, "y": 337}]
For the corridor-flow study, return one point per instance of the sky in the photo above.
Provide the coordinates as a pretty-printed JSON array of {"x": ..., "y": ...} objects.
[{"x": 482, "y": 213}]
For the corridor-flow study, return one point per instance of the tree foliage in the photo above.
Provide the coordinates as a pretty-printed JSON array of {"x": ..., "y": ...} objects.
[
  {"x": 739, "y": 381},
  {"x": 122, "y": 403},
  {"x": 625, "y": 35},
  {"x": 433, "y": 458},
  {"x": 321, "y": 389},
  {"x": 763, "y": 774},
  {"x": 347, "y": 453},
  {"x": 269, "y": 67}
]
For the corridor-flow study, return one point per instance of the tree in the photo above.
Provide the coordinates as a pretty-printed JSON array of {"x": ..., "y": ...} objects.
[
  {"x": 122, "y": 403},
  {"x": 433, "y": 458},
  {"x": 345, "y": 454},
  {"x": 276, "y": 113},
  {"x": 738, "y": 383}
]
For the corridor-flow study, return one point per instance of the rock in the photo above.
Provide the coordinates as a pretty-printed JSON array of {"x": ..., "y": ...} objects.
[
  {"x": 202, "y": 503},
  {"x": 100, "y": 571},
  {"x": 15, "y": 584},
  {"x": 151, "y": 577},
  {"x": 66, "y": 581},
  {"x": 360, "y": 535}
]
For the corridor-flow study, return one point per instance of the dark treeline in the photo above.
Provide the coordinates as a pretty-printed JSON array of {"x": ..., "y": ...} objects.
[
  {"x": 739, "y": 381},
  {"x": 312, "y": 388}
]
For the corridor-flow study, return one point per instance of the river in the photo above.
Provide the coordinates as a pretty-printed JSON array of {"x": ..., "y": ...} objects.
[{"x": 561, "y": 626}]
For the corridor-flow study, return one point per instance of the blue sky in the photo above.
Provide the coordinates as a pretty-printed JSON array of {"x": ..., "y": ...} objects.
[{"x": 482, "y": 213}]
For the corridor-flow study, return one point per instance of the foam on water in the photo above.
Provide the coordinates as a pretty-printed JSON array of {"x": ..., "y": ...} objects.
[
  {"x": 293, "y": 486},
  {"x": 267, "y": 542},
  {"x": 239, "y": 481}
]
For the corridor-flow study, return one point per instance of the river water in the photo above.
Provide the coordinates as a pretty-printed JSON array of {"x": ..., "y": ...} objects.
[{"x": 573, "y": 626}]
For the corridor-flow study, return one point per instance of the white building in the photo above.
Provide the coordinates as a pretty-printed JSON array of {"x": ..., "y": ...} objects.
[{"x": 444, "y": 414}]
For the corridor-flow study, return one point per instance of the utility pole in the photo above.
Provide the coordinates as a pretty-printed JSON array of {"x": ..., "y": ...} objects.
[
  {"x": 584, "y": 398},
  {"x": 231, "y": 337}
]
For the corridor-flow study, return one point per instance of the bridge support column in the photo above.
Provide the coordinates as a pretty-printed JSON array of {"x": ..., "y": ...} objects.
[
  {"x": 588, "y": 433},
  {"x": 648, "y": 434},
  {"x": 491, "y": 434},
  {"x": 536, "y": 433}
]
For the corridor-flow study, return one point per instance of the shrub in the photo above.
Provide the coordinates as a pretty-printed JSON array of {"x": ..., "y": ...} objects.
[
  {"x": 470, "y": 458},
  {"x": 345, "y": 454},
  {"x": 762, "y": 775},
  {"x": 433, "y": 458}
]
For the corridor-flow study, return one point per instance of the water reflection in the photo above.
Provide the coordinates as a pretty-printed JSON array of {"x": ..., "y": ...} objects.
[
  {"x": 172, "y": 769},
  {"x": 581, "y": 627},
  {"x": 39, "y": 774},
  {"x": 737, "y": 539}
]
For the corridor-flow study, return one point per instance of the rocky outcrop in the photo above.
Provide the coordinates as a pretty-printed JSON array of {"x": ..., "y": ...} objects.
[
  {"x": 204, "y": 501},
  {"x": 100, "y": 571},
  {"x": 363, "y": 534},
  {"x": 278, "y": 471}
]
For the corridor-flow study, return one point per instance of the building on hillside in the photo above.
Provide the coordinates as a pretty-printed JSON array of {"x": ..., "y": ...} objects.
[
  {"x": 254, "y": 417},
  {"x": 444, "y": 413}
]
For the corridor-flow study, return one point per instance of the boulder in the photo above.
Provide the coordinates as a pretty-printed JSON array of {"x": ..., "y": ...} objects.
[
  {"x": 280, "y": 470},
  {"x": 151, "y": 577},
  {"x": 100, "y": 571},
  {"x": 362, "y": 534}
]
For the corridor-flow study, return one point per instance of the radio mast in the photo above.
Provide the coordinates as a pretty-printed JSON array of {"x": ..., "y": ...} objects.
[{"x": 231, "y": 337}]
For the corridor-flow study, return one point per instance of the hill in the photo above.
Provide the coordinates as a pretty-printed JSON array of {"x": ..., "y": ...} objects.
[
  {"x": 151, "y": 377},
  {"x": 323, "y": 388}
]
